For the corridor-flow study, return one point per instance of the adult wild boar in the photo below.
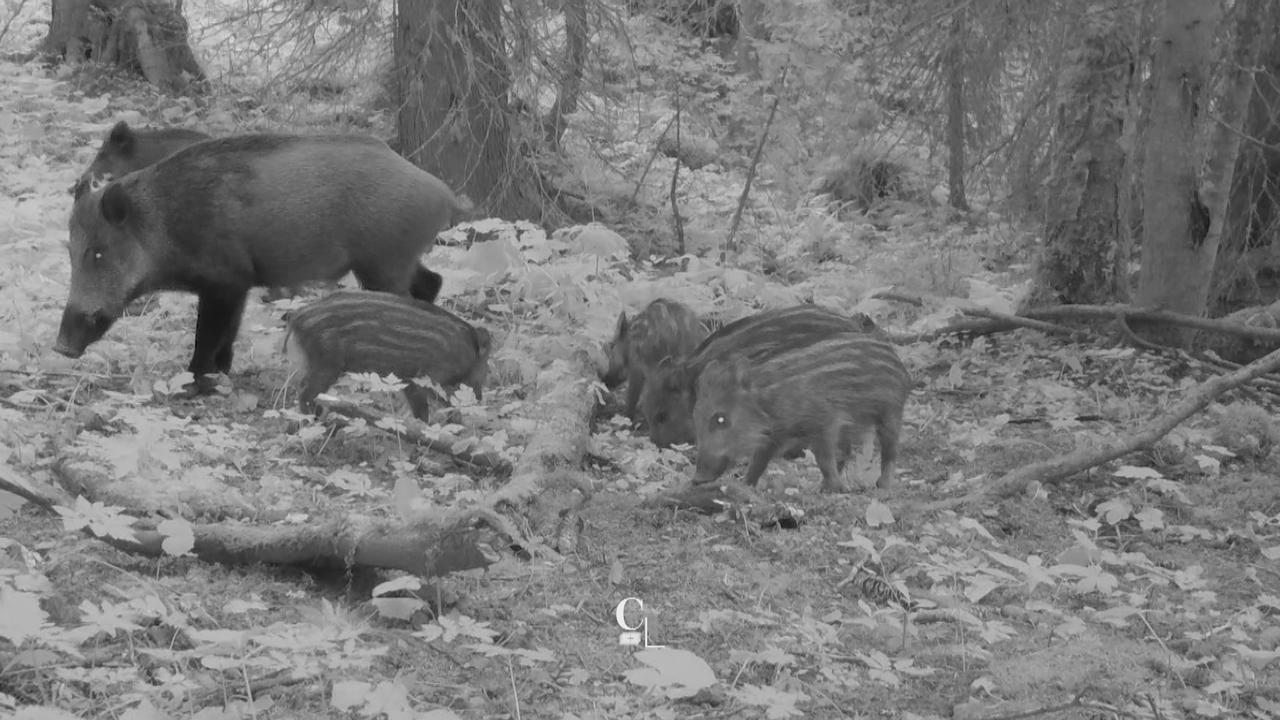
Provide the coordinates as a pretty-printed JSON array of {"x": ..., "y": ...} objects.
[
  {"x": 126, "y": 149},
  {"x": 223, "y": 216}
]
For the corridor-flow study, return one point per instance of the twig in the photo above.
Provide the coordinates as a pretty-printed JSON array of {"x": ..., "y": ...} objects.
[
  {"x": 1016, "y": 321},
  {"x": 52, "y": 400},
  {"x": 1064, "y": 466},
  {"x": 959, "y": 327},
  {"x": 1133, "y": 338},
  {"x": 253, "y": 689},
  {"x": 657, "y": 145},
  {"x": 1082, "y": 312},
  {"x": 908, "y": 298},
  {"x": 755, "y": 163},
  {"x": 1155, "y": 706},
  {"x": 9, "y": 20},
  {"x": 1059, "y": 468},
  {"x": 993, "y": 322},
  {"x": 1077, "y": 701},
  {"x": 1153, "y": 315},
  {"x": 1270, "y": 383},
  {"x": 676, "y": 220},
  {"x": 28, "y": 494}
]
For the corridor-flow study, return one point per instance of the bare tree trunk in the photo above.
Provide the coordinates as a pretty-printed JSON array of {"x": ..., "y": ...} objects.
[
  {"x": 1176, "y": 263},
  {"x": 575, "y": 32},
  {"x": 1223, "y": 147},
  {"x": 1082, "y": 260},
  {"x": 1247, "y": 268},
  {"x": 956, "y": 113},
  {"x": 67, "y": 22},
  {"x": 148, "y": 37},
  {"x": 455, "y": 119}
]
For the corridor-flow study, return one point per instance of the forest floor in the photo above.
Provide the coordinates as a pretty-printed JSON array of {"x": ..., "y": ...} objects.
[{"x": 1144, "y": 588}]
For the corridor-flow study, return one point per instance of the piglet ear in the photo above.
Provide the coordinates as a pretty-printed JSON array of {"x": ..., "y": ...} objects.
[
  {"x": 121, "y": 137},
  {"x": 116, "y": 205}
]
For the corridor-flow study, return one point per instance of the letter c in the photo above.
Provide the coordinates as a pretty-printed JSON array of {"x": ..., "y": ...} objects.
[{"x": 620, "y": 613}]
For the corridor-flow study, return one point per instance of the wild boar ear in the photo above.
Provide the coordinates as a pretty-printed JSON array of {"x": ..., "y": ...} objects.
[
  {"x": 121, "y": 136},
  {"x": 115, "y": 204},
  {"x": 621, "y": 330}
]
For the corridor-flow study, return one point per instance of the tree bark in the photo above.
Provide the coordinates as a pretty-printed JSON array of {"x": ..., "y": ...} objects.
[
  {"x": 67, "y": 25},
  {"x": 1082, "y": 260},
  {"x": 1177, "y": 264},
  {"x": 575, "y": 60},
  {"x": 454, "y": 118},
  {"x": 956, "y": 117},
  {"x": 1246, "y": 271},
  {"x": 1223, "y": 147},
  {"x": 148, "y": 37}
]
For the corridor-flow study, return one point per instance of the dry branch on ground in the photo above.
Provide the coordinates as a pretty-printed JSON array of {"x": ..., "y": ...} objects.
[
  {"x": 1059, "y": 468},
  {"x": 545, "y": 485},
  {"x": 422, "y": 547},
  {"x": 546, "y": 482},
  {"x": 1046, "y": 319}
]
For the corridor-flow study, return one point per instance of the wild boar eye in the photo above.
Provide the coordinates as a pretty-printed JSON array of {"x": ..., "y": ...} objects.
[{"x": 719, "y": 422}]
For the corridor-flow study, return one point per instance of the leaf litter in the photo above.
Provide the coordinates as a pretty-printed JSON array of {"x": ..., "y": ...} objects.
[{"x": 1147, "y": 588}]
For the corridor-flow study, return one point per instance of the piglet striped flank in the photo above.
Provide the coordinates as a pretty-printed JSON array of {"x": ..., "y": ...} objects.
[
  {"x": 844, "y": 356},
  {"x": 668, "y": 402},
  {"x": 397, "y": 322},
  {"x": 823, "y": 395},
  {"x": 386, "y": 334}
]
